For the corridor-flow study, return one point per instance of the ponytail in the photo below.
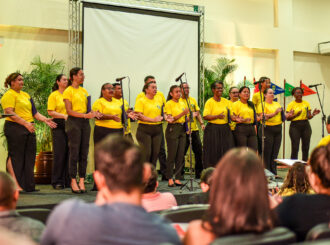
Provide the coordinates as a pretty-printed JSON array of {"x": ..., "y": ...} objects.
[
  {"x": 12, "y": 77},
  {"x": 169, "y": 96},
  {"x": 58, "y": 78}
]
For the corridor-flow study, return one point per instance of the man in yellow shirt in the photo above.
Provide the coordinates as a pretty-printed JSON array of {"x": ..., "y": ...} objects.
[
  {"x": 326, "y": 139},
  {"x": 162, "y": 153}
]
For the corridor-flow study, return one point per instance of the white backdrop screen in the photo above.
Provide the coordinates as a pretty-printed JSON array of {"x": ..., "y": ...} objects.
[{"x": 120, "y": 41}]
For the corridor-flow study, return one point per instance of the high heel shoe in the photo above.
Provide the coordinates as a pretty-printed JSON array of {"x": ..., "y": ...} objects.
[{"x": 82, "y": 190}]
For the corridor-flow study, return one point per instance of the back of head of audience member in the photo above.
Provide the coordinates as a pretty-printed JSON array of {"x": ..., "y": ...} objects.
[
  {"x": 319, "y": 176},
  {"x": 151, "y": 183},
  {"x": 296, "y": 179},
  {"x": 206, "y": 179},
  {"x": 239, "y": 195},
  {"x": 8, "y": 192},
  {"x": 119, "y": 165}
]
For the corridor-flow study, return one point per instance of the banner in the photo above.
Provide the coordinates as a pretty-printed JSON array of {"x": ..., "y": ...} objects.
[
  {"x": 307, "y": 90},
  {"x": 288, "y": 88},
  {"x": 277, "y": 90}
]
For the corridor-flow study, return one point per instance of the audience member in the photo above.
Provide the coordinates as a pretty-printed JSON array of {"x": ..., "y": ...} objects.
[
  {"x": 9, "y": 217},
  {"x": 117, "y": 216},
  {"x": 11, "y": 238},
  {"x": 203, "y": 198},
  {"x": 301, "y": 212},
  {"x": 152, "y": 200},
  {"x": 238, "y": 200},
  {"x": 296, "y": 181}
]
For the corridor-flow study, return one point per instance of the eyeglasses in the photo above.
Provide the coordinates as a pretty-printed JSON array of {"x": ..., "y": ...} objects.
[
  {"x": 234, "y": 92},
  {"x": 110, "y": 88}
]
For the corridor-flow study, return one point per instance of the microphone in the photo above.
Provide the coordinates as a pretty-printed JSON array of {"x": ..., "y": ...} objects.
[
  {"x": 120, "y": 78},
  {"x": 314, "y": 85},
  {"x": 5, "y": 115},
  {"x": 179, "y": 77},
  {"x": 257, "y": 82}
]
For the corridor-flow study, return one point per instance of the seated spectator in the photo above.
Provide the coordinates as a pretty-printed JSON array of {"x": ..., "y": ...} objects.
[
  {"x": 296, "y": 181},
  {"x": 152, "y": 200},
  {"x": 238, "y": 200},
  {"x": 9, "y": 217},
  {"x": 11, "y": 238},
  {"x": 300, "y": 212},
  {"x": 326, "y": 139},
  {"x": 203, "y": 198},
  {"x": 117, "y": 216}
]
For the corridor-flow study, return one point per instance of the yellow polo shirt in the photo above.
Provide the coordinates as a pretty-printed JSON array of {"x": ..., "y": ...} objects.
[
  {"x": 271, "y": 108},
  {"x": 56, "y": 103},
  {"x": 243, "y": 110},
  {"x": 77, "y": 97},
  {"x": 194, "y": 108},
  {"x": 20, "y": 102},
  {"x": 213, "y": 107},
  {"x": 175, "y": 108},
  {"x": 232, "y": 124},
  {"x": 304, "y": 106},
  {"x": 159, "y": 96},
  {"x": 120, "y": 101},
  {"x": 256, "y": 98},
  {"x": 149, "y": 108}
]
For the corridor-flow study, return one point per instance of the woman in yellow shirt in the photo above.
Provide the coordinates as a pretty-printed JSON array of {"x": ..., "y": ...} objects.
[
  {"x": 149, "y": 109},
  {"x": 233, "y": 97},
  {"x": 56, "y": 109},
  {"x": 244, "y": 114},
  {"x": 77, "y": 104},
  {"x": 20, "y": 132},
  {"x": 218, "y": 138},
  {"x": 175, "y": 134},
  {"x": 273, "y": 129},
  {"x": 299, "y": 112}
]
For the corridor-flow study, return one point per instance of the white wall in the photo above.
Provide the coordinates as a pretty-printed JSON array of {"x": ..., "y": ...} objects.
[{"x": 241, "y": 29}]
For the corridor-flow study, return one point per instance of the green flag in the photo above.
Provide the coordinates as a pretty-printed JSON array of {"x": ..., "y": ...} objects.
[{"x": 288, "y": 88}]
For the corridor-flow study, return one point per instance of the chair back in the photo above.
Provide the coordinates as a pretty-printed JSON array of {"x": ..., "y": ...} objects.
[
  {"x": 185, "y": 213},
  {"x": 320, "y": 231},
  {"x": 40, "y": 214}
]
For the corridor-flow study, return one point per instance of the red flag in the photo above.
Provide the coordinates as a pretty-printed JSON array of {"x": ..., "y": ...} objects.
[
  {"x": 256, "y": 87},
  {"x": 307, "y": 90}
]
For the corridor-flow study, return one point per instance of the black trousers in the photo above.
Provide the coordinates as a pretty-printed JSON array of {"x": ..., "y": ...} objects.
[
  {"x": 60, "y": 170},
  {"x": 162, "y": 156},
  {"x": 22, "y": 152},
  {"x": 259, "y": 137},
  {"x": 245, "y": 135},
  {"x": 101, "y": 132},
  {"x": 78, "y": 131},
  {"x": 176, "y": 141},
  {"x": 149, "y": 138},
  {"x": 218, "y": 139},
  {"x": 300, "y": 130},
  {"x": 198, "y": 152},
  {"x": 273, "y": 138}
]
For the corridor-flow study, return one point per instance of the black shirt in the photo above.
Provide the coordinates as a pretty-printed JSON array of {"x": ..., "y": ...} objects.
[{"x": 301, "y": 212}]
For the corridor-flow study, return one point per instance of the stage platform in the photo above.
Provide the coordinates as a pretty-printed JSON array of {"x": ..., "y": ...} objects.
[{"x": 47, "y": 197}]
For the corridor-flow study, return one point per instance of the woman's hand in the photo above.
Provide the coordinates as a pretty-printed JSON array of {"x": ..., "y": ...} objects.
[
  {"x": 315, "y": 112},
  {"x": 116, "y": 118},
  {"x": 298, "y": 114},
  {"x": 158, "y": 119},
  {"x": 29, "y": 126},
  {"x": 221, "y": 116},
  {"x": 50, "y": 123},
  {"x": 278, "y": 110},
  {"x": 185, "y": 112},
  {"x": 132, "y": 115}
]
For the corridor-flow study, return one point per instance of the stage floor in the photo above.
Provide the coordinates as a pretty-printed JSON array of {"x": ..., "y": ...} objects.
[{"x": 47, "y": 197}]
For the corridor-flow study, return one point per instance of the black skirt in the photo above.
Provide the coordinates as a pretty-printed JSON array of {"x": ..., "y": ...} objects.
[{"x": 218, "y": 139}]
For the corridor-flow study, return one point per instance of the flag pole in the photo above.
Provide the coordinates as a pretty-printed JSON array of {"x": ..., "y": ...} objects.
[
  {"x": 284, "y": 123},
  {"x": 244, "y": 81}
]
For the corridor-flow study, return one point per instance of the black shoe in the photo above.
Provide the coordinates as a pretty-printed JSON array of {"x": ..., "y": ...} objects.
[
  {"x": 75, "y": 191},
  {"x": 172, "y": 185},
  {"x": 58, "y": 187},
  {"x": 178, "y": 184},
  {"x": 83, "y": 191}
]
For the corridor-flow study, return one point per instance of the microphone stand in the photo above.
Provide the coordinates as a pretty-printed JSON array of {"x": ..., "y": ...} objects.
[
  {"x": 263, "y": 120},
  {"x": 124, "y": 122},
  {"x": 191, "y": 118},
  {"x": 323, "y": 119}
]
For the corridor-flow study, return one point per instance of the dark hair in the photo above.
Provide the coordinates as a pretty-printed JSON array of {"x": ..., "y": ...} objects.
[
  {"x": 239, "y": 195},
  {"x": 12, "y": 77},
  {"x": 250, "y": 104},
  {"x": 169, "y": 96},
  {"x": 7, "y": 189},
  {"x": 206, "y": 175},
  {"x": 213, "y": 85},
  {"x": 295, "y": 89},
  {"x": 296, "y": 179},
  {"x": 152, "y": 181},
  {"x": 181, "y": 85},
  {"x": 328, "y": 120},
  {"x": 102, "y": 88},
  {"x": 320, "y": 164},
  {"x": 148, "y": 77},
  {"x": 120, "y": 161},
  {"x": 231, "y": 88},
  {"x": 147, "y": 86},
  {"x": 58, "y": 78},
  {"x": 115, "y": 84},
  {"x": 73, "y": 71},
  {"x": 263, "y": 79}
]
